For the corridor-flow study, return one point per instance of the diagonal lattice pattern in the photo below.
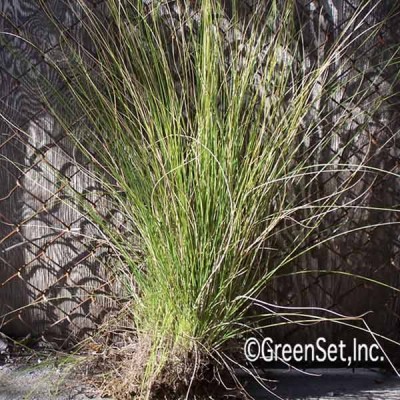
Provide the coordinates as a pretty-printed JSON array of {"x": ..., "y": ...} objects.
[{"x": 53, "y": 280}]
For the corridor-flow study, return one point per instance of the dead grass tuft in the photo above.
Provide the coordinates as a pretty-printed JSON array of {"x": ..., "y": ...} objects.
[{"x": 117, "y": 369}]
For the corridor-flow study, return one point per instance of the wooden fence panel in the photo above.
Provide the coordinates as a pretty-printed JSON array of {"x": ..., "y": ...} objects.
[{"x": 48, "y": 258}]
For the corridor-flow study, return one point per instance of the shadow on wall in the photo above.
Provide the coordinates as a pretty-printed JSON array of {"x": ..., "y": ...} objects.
[
  {"x": 50, "y": 258},
  {"x": 13, "y": 289},
  {"x": 52, "y": 281},
  {"x": 373, "y": 252}
]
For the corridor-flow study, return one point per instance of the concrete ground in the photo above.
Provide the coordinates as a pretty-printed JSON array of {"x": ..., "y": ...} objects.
[
  {"x": 338, "y": 384},
  {"x": 40, "y": 383},
  {"x": 47, "y": 383}
]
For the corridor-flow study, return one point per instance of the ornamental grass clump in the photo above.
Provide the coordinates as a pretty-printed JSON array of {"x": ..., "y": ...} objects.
[{"x": 198, "y": 123}]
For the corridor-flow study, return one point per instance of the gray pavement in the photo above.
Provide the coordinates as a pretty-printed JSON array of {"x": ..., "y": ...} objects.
[
  {"x": 338, "y": 384},
  {"x": 40, "y": 383},
  {"x": 47, "y": 382}
]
